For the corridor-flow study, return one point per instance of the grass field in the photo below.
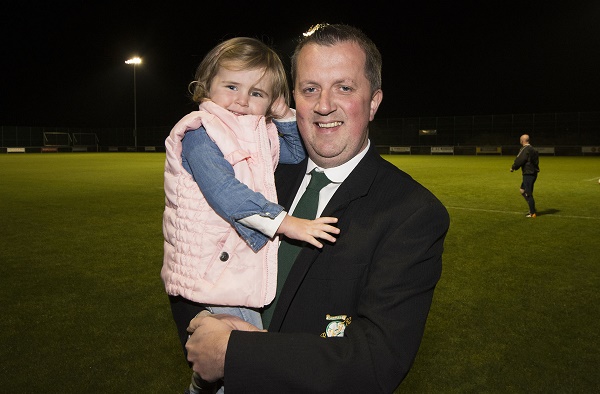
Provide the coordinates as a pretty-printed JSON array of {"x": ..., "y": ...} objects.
[{"x": 517, "y": 309}]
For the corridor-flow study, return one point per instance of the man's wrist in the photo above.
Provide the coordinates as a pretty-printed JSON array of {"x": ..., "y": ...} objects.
[{"x": 222, "y": 353}]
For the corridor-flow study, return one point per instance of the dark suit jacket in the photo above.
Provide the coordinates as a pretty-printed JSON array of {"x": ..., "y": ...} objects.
[{"x": 380, "y": 273}]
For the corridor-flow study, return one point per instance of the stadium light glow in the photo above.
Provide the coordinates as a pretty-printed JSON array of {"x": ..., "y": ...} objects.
[{"x": 135, "y": 61}]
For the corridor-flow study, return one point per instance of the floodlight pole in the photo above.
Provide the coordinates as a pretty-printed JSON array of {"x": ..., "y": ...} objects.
[{"x": 135, "y": 61}]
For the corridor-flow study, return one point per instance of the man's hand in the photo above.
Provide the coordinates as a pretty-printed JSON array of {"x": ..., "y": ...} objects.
[{"x": 207, "y": 344}]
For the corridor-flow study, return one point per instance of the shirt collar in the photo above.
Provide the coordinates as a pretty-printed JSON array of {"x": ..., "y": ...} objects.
[{"x": 340, "y": 173}]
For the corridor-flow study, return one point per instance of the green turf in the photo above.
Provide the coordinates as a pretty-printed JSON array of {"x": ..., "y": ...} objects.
[{"x": 517, "y": 308}]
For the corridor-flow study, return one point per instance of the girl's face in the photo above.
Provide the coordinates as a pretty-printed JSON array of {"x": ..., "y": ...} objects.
[{"x": 243, "y": 92}]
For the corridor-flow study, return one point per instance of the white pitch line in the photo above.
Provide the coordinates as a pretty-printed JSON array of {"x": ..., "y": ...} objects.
[
  {"x": 521, "y": 213},
  {"x": 591, "y": 179}
]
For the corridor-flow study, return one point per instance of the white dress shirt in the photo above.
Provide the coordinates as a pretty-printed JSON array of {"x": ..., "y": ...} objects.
[{"x": 336, "y": 175}]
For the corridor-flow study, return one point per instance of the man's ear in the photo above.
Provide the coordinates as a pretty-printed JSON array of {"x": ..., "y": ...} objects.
[{"x": 375, "y": 101}]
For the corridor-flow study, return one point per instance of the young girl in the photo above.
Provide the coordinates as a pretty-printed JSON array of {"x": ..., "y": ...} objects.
[{"x": 221, "y": 216}]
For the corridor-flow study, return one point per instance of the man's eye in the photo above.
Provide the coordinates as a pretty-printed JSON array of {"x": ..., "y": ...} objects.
[
  {"x": 310, "y": 90},
  {"x": 346, "y": 88}
]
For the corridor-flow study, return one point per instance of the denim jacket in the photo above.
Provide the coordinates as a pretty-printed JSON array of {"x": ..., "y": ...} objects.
[{"x": 229, "y": 197}]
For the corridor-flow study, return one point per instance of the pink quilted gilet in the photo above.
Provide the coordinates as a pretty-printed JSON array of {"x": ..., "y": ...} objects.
[{"x": 205, "y": 260}]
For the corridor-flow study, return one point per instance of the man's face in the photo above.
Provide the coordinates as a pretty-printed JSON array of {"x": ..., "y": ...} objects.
[
  {"x": 523, "y": 140},
  {"x": 334, "y": 103}
]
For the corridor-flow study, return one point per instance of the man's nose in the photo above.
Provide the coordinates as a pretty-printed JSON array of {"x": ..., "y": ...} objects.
[{"x": 325, "y": 104}]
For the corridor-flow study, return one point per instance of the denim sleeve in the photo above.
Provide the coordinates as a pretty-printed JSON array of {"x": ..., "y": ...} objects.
[
  {"x": 230, "y": 198},
  {"x": 291, "y": 150}
]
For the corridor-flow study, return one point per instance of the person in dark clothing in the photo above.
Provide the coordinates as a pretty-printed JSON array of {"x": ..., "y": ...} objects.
[
  {"x": 528, "y": 160},
  {"x": 350, "y": 316}
]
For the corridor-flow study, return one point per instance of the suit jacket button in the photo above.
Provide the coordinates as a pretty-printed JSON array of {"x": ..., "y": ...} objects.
[{"x": 224, "y": 256}]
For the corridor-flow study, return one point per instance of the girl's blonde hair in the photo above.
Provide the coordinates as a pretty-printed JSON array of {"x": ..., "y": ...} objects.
[{"x": 241, "y": 53}]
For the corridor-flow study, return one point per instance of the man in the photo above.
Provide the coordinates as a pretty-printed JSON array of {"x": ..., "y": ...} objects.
[
  {"x": 350, "y": 317},
  {"x": 528, "y": 161}
]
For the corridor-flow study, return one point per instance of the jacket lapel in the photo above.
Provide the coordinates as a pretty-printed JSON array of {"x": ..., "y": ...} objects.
[{"x": 355, "y": 186}]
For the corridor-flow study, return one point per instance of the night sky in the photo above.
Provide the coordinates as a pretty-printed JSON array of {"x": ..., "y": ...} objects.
[{"x": 63, "y": 64}]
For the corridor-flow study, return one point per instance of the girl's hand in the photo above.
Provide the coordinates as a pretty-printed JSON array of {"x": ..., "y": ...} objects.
[{"x": 280, "y": 109}]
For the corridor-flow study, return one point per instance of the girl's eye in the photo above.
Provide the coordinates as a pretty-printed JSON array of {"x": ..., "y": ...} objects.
[
  {"x": 231, "y": 87},
  {"x": 256, "y": 94}
]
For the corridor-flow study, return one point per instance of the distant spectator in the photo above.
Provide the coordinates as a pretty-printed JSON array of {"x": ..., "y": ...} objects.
[{"x": 528, "y": 161}]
